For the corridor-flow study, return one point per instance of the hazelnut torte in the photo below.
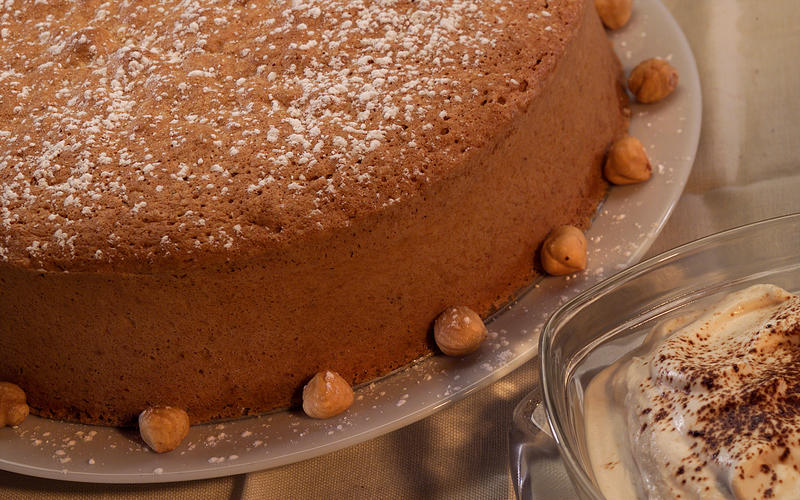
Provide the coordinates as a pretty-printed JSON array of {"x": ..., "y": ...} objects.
[{"x": 204, "y": 203}]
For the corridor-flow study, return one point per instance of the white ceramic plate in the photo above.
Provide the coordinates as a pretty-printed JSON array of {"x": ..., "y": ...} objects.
[{"x": 626, "y": 225}]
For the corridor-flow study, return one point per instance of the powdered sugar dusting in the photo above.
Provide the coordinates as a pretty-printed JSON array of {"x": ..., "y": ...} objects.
[{"x": 185, "y": 120}]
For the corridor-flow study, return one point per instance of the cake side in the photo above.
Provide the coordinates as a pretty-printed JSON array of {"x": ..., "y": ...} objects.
[{"x": 230, "y": 337}]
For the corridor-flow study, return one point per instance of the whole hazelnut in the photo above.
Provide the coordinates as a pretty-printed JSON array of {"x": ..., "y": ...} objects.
[
  {"x": 13, "y": 408},
  {"x": 564, "y": 251},
  {"x": 652, "y": 80},
  {"x": 627, "y": 162},
  {"x": 163, "y": 428},
  {"x": 458, "y": 331},
  {"x": 327, "y": 394},
  {"x": 614, "y": 13}
]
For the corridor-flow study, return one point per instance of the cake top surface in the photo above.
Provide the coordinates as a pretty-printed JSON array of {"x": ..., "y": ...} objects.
[{"x": 145, "y": 129}]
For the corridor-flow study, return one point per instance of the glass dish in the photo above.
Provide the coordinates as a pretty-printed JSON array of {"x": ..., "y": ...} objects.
[{"x": 608, "y": 320}]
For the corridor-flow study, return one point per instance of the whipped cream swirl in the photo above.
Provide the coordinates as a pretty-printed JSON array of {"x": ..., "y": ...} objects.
[{"x": 711, "y": 410}]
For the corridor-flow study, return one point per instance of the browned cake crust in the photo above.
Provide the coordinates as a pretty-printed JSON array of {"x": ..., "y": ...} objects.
[{"x": 202, "y": 206}]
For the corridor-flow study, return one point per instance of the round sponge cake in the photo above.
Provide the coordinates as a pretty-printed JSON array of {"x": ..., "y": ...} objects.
[{"x": 204, "y": 203}]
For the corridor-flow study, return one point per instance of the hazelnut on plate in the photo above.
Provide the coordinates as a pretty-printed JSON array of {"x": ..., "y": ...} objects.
[
  {"x": 652, "y": 80},
  {"x": 459, "y": 331},
  {"x": 614, "y": 13},
  {"x": 627, "y": 162},
  {"x": 163, "y": 428},
  {"x": 564, "y": 251},
  {"x": 13, "y": 408},
  {"x": 326, "y": 395}
]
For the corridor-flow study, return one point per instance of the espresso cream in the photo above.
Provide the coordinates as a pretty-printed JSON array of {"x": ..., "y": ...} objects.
[{"x": 708, "y": 407}]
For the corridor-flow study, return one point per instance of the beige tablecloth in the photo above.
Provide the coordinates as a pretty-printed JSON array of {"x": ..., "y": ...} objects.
[{"x": 747, "y": 169}]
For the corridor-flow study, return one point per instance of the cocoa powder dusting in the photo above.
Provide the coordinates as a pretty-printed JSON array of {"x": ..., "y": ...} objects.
[{"x": 750, "y": 410}]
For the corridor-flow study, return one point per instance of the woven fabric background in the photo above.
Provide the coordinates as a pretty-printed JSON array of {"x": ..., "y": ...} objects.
[{"x": 747, "y": 169}]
